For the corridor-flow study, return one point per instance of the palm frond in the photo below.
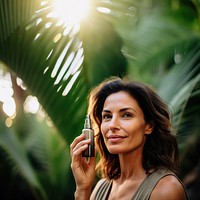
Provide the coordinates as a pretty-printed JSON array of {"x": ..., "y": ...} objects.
[
  {"x": 17, "y": 157},
  {"x": 181, "y": 74},
  {"x": 13, "y": 13},
  {"x": 49, "y": 158},
  {"x": 161, "y": 34},
  {"x": 180, "y": 88},
  {"x": 61, "y": 65}
]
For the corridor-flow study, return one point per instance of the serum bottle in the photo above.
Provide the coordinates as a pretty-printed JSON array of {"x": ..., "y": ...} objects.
[{"x": 89, "y": 134}]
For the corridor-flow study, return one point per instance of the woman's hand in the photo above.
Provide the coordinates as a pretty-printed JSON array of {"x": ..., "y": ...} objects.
[{"x": 83, "y": 169}]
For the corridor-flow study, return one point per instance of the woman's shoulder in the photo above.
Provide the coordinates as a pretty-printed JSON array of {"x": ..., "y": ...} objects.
[{"x": 171, "y": 186}]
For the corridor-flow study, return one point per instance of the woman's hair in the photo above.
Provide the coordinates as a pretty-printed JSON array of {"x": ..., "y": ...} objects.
[{"x": 160, "y": 149}]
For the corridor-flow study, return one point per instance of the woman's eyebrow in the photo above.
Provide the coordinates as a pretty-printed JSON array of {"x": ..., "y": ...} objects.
[
  {"x": 128, "y": 108},
  {"x": 107, "y": 111},
  {"x": 121, "y": 110}
]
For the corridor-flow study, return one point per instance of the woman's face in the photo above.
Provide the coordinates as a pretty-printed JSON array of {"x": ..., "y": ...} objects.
[{"x": 123, "y": 125}]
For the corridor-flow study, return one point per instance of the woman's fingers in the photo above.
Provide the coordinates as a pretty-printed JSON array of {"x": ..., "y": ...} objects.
[
  {"x": 77, "y": 140},
  {"x": 79, "y": 145},
  {"x": 83, "y": 145}
]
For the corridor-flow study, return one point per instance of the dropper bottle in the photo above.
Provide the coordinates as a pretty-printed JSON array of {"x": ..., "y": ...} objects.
[{"x": 89, "y": 134}]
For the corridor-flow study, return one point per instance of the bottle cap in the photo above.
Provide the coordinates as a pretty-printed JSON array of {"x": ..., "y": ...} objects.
[{"x": 87, "y": 124}]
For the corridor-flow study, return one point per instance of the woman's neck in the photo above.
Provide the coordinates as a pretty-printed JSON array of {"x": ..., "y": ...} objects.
[{"x": 131, "y": 166}]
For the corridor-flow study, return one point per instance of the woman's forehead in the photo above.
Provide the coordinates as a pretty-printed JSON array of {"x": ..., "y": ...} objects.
[{"x": 122, "y": 100}]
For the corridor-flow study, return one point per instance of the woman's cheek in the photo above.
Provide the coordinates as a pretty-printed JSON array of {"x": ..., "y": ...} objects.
[{"x": 103, "y": 128}]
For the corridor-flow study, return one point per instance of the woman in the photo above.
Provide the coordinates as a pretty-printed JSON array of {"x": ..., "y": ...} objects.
[{"x": 138, "y": 152}]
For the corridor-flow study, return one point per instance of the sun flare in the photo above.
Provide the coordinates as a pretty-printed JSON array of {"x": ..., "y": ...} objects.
[{"x": 71, "y": 11}]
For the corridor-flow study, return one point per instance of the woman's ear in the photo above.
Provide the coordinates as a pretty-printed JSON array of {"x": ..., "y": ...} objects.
[{"x": 149, "y": 128}]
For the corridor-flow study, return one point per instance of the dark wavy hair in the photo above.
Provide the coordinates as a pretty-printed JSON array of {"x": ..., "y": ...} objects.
[{"x": 160, "y": 149}]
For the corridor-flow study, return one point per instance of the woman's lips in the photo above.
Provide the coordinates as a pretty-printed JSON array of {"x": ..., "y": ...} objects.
[{"x": 115, "y": 138}]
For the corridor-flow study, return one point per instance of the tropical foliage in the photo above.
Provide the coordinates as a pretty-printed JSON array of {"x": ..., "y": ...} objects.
[{"x": 157, "y": 42}]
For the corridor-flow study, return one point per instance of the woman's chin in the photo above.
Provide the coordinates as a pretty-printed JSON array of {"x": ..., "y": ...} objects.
[{"x": 115, "y": 150}]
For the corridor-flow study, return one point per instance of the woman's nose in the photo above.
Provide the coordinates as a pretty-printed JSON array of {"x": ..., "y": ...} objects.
[{"x": 114, "y": 123}]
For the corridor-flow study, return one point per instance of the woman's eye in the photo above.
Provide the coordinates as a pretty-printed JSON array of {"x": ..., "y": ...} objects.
[
  {"x": 106, "y": 116},
  {"x": 127, "y": 115}
]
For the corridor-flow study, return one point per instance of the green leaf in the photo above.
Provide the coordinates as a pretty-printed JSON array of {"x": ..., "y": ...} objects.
[
  {"x": 60, "y": 66},
  {"x": 16, "y": 155}
]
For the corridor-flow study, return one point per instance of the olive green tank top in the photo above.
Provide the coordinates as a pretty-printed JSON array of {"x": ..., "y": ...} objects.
[{"x": 145, "y": 189}]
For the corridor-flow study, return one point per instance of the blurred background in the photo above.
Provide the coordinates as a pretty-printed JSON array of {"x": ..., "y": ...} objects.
[{"x": 52, "y": 52}]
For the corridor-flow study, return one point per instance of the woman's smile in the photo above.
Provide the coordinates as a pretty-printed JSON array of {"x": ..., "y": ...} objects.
[{"x": 116, "y": 138}]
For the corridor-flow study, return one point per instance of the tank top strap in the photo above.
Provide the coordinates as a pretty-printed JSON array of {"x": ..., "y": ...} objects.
[
  {"x": 103, "y": 190},
  {"x": 145, "y": 189}
]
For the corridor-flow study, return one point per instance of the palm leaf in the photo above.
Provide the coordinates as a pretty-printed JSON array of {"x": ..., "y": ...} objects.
[
  {"x": 186, "y": 110},
  {"x": 162, "y": 35},
  {"x": 16, "y": 155},
  {"x": 13, "y": 13},
  {"x": 61, "y": 71},
  {"x": 49, "y": 158},
  {"x": 181, "y": 74}
]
